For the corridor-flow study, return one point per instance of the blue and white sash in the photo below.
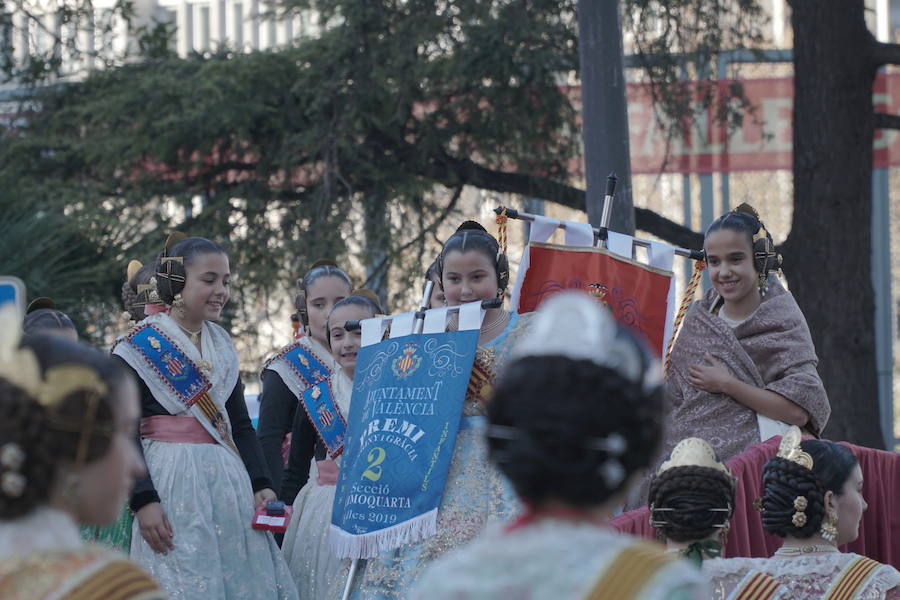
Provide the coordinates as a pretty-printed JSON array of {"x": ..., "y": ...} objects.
[
  {"x": 324, "y": 413},
  {"x": 299, "y": 361}
]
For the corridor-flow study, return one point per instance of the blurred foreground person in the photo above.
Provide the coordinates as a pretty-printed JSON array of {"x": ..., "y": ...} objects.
[
  {"x": 573, "y": 418},
  {"x": 67, "y": 455}
]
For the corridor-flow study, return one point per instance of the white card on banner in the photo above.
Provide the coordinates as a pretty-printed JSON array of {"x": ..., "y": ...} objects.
[
  {"x": 402, "y": 324},
  {"x": 542, "y": 228},
  {"x": 470, "y": 316},
  {"x": 662, "y": 256},
  {"x": 619, "y": 243},
  {"x": 435, "y": 320},
  {"x": 579, "y": 234},
  {"x": 372, "y": 330}
]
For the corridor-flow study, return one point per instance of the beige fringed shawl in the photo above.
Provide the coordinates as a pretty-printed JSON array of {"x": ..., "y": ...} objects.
[{"x": 772, "y": 349}]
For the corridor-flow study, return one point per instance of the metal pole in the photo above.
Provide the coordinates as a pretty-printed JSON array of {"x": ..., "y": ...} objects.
[{"x": 353, "y": 566}]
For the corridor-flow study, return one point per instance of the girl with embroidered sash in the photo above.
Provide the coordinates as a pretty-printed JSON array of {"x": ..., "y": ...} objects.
[
  {"x": 298, "y": 365},
  {"x": 318, "y": 441},
  {"x": 206, "y": 471},
  {"x": 67, "y": 456},
  {"x": 472, "y": 267},
  {"x": 574, "y": 416},
  {"x": 744, "y": 366},
  {"x": 691, "y": 502},
  {"x": 811, "y": 499}
]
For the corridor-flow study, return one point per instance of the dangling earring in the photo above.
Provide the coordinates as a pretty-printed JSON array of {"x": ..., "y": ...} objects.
[
  {"x": 178, "y": 305},
  {"x": 829, "y": 527},
  {"x": 763, "y": 284}
]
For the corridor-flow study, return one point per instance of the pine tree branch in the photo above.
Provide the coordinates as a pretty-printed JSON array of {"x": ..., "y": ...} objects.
[{"x": 887, "y": 121}]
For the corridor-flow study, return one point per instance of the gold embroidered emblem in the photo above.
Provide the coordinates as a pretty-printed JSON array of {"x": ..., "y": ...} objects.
[
  {"x": 317, "y": 391},
  {"x": 303, "y": 361},
  {"x": 154, "y": 343}
]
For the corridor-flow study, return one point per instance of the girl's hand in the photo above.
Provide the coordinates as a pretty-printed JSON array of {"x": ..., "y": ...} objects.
[
  {"x": 155, "y": 527},
  {"x": 264, "y": 495},
  {"x": 712, "y": 376}
]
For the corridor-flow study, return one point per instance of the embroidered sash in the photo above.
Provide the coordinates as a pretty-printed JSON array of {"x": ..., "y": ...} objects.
[
  {"x": 852, "y": 579},
  {"x": 303, "y": 363},
  {"x": 626, "y": 577},
  {"x": 325, "y": 415},
  {"x": 756, "y": 586},
  {"x": 180, "y": 375}
]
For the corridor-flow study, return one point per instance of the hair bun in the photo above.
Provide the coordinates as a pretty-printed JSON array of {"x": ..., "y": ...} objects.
[
  {"x": 323, "y": 262},
  {"x": 39, "y": 303},
  {"x": 471, "y": 226},
  {"x": 747, "y": 209}
]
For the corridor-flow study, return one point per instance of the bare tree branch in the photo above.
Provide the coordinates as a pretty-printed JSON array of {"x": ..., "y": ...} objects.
[{"x": 887, "y": 121}]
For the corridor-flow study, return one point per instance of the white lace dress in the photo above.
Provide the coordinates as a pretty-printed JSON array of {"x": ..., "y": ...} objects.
[
  {"x": 807, "y": 577},
  {"x": 553, "y": 559}
]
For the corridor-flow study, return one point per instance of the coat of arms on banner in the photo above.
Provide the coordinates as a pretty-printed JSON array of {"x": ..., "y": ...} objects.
[{"x": 407, "y": 363}]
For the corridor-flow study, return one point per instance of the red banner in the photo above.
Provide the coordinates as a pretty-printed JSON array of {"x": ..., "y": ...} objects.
[{"x": 635, "y": 293}]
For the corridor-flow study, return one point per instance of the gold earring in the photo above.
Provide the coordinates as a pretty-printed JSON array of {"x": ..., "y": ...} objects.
[
  {"x": 829, "y": 527},
  {"x": 178, "y": 305}
]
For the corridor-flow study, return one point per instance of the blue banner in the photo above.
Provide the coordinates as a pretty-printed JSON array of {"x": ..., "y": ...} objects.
[{"x": 408, "y": 395}]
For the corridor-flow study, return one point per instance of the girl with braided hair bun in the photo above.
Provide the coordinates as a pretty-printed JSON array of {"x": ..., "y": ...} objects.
[
  {"x": 67, "y": 456},
  {"x": 691, "y": 502},
  {"x": 743, "y": 367},
  {"x": 574, "y": 417},
  {"x": 206, "y": 476},
  {"x": 812, "y": 499},
  {"x": 316, "y": 452}
]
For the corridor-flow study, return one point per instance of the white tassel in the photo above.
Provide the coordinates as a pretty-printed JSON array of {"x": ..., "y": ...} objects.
[{"x": 370, "y": 545}]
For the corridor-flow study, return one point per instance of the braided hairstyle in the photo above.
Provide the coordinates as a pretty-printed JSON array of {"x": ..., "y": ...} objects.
[
  {"x": 554, "y": 453},
  {"x": 689, "y": 493},
  {"x": 51, "y": 437},
  {"x": 171, "y": 275},
  {"x": 785, "y": 480},
  {"x": 472, "y": 236},
  {"x": 131, "y": 300},
  {"x": 745, "y": 220}
]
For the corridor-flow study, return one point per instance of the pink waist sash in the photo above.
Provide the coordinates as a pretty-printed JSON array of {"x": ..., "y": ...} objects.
[
  {"x": 328, "y": 472},
  {"x": 168, "y": 428}
]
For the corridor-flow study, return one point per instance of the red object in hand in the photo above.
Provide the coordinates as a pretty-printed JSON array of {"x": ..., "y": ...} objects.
[{"x": 274, "y": 517}]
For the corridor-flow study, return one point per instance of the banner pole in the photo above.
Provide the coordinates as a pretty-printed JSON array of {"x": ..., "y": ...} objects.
[
  {"x": 606, "y": 215},
  {"x": 426, "y": 303},
  {"x": 350, "y": 577}
]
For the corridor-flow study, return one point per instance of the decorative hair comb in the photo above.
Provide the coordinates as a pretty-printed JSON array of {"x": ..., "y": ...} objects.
[
  {"x": 693, "y": 452},
  {"x": 789, "y": 449}
]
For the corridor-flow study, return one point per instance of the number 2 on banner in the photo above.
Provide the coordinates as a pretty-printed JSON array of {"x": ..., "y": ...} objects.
[{"x": 375, "y": 458}]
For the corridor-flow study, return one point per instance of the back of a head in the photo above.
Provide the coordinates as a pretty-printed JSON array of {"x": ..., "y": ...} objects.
[
  {"x": 43, "y": 316},
  {"x": 785, "y": 480},
  {"x": 691, "y": 495},
  {"x": 578, "y": 411},
  {"x": 56, "y": 410}
]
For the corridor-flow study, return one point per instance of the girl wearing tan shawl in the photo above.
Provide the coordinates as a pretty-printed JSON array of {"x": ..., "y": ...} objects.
[{"x": 744, "y": 367}]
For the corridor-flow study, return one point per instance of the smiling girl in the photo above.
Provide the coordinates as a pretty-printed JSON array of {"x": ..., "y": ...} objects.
[
  {"x": 316, "y": 449},
  {"x": 472, "y": 268},
  {"x": 206, "y": 472},
  {"x": 744, "y": 367},
  {"x": 298, "y": 365}
]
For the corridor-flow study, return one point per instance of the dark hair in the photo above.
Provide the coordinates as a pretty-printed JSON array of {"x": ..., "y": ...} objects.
[
  {"x": 690, "y": 497},
  {"x": 43, "y": 319},
  {"x": 171, "y": 275},
  {"x": 366, "y": 301},
  {"x": 472, "y": 236},
  {"x": 553, "y": 448},
  {"x": 132, "y": 301},
  {"x": 784, "y": 481},
  {"x": 52, "y": 436},
  {"x": 432, "y": 271},
  {"x": 321, "y": 268},
  {"x": 744, "y": 219}
]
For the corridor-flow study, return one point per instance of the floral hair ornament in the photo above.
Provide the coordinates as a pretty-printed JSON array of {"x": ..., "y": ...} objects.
[{"x": 790, "y": 449}]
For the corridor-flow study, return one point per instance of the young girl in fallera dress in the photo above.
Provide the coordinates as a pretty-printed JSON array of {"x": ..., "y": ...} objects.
[
  {"x": 206, "y": 474},
  {"x": 314, "y": 464},
  {"x": 298, "y": 365}
]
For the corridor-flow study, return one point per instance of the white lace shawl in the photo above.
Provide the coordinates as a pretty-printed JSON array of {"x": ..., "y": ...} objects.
[
  {"x": 41, "y": 530},
  {"x": 807, "y": 577}
]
